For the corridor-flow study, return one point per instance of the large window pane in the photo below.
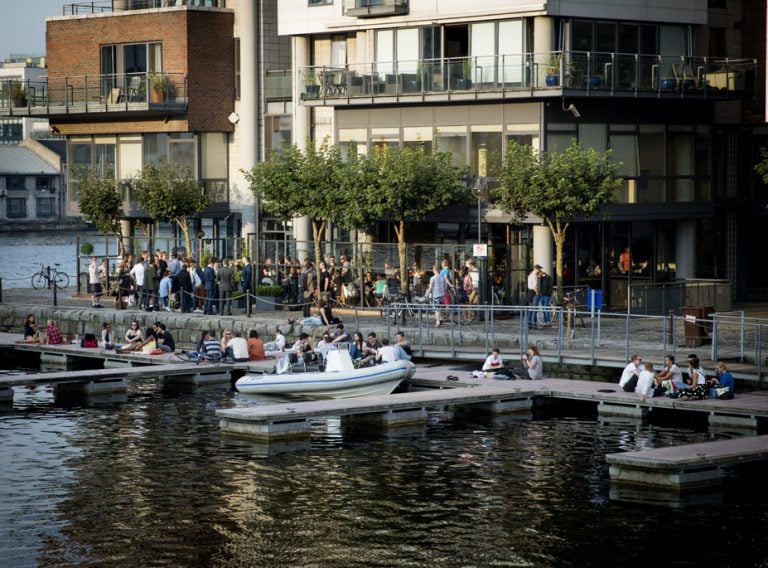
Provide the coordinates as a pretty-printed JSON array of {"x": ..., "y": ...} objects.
[
  {"x": 407, "y": 50},
  {"x": 491, "y": 140},
  {"x": 483, "y": 51},
  {"x": 455, "y": 142},
  {"x": 625, "y": 150},
  {"x": 385, "y": 48},
  {"x": 214, "y": 155},
  {"x": 511, "y": 48},
  {"x": 651, "y": 145},
  {"x": 129, "y": 157},
  {"x": 594, "y": 136},
  {"x": 155, "y": 147},
  {"x": 182, "y": 152}
]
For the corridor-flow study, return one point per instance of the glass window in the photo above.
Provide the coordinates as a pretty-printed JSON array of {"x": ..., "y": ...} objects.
[
  {"x": 385, "y": 48},
  {"x": 15, "y": 183},
  {"x": 511, "y": 48},
  {"x": 104, "y": 155},
  {"x": 237, "y": 68},
  {"x": 182, "y": 151},
  {"x": 483, "y": 50},
  {"x": 407, "y": 50},
  {"x": 214, "y": 155},
  {"x": 129, "y": 156},
  {"x": 594, "y": 136},
  {"x": 490, "y": 139},
  {"x": 43, "y": 183},
  {"x": 155, "y": 147},
  {"x": 339, "y": 51},
  {"x": 581, "y": 36},
  {"x": 16, "y": 207},
  {"x": 46, "y": 206},
  {"x": 624, "y": 149},
  {"x": 558, "y": 142},
  {"x": 651, "y": 145},
  {"x": 454, "y": 141}
]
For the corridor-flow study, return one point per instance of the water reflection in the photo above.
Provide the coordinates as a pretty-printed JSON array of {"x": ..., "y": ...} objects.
[{"x": 151, "y": 483}]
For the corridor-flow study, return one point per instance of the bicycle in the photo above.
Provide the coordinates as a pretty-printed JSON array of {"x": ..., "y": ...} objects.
[
  {"x": 48, "y": 276},
  {"x": 401, "y": 309},
  {"x": 547, "y": 316},
  {"x": 460, "y": 310}
]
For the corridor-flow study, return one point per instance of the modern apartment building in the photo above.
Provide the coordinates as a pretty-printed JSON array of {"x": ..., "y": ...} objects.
[
  {"x": 15, "y": 73},
  {"x": 132, "y": 82},
  {"x": 669, "y": 87}
]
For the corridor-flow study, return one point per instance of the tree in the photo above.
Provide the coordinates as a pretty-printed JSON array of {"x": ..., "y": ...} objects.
[
  {"x": 168, "y": 192},
  {"x": 101, "y": 202},
  {"x": 402, "y": 184},
  {"x": 762, "y": 166},
  {"x": 293, "y": 183},
  {"x": 559, "y": 187}
]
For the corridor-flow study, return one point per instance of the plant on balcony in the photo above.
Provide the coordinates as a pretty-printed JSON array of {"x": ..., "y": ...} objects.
[
  {"x": 18, "y": 94},
  {"x": 553, "y": 70},
  {"x": 159, "y": 87},
  {"x": 463, "y": 81},
  {"x": 311, "y": 85}
]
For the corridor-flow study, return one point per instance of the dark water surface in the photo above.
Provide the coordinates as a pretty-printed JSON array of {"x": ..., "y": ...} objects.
[{"x": 151, "y": 482}]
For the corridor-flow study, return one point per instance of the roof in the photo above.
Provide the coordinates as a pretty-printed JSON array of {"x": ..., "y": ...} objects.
[{"x": 17, "y": 160}]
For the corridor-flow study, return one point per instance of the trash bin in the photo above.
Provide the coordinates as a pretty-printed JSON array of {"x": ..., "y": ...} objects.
[{"x": 698, "y": 324}]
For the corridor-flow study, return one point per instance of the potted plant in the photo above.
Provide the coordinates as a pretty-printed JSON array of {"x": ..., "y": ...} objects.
[
  {"x": 311, "y": 85},
  {"x": 553, "y": 70},
  {"x": 159, "y": 86},
  {"x": 18, "y": 94},
  {"x": 267, "y": 298},
  {"x": 463, "y": 81}
]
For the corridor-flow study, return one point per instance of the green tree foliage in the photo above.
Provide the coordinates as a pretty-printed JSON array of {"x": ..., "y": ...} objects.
[
  {"x": 402, "y": 184},
  {"x": 762, "y": 166},
  {"x": 101, "y": 201},
  {"x": 171, "y": 193},
  {"x": 295, "y": 182},
  {"x": 559, "y": 187}
]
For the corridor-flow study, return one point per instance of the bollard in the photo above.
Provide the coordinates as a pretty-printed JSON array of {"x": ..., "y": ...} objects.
[
  {"x": 1, "y": 290},
  {"x": 55, "y": 295}
]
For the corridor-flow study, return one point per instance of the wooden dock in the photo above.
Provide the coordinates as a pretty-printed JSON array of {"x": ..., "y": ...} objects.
[{"x": 686, "y": 467}]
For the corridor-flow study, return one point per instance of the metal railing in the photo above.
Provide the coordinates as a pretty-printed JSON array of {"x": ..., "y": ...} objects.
[
  {"x": 102, "y": 6},
  {"x": 94, "y": 93},
  {"x": 576, "y": 71}
]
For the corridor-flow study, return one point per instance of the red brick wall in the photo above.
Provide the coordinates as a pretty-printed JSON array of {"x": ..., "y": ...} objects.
[{"x": 196, "y": 42}]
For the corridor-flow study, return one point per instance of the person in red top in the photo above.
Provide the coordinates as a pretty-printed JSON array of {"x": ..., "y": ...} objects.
[
  {"x": 255, "y": 346},
  {"x": 52, "y": 334}
]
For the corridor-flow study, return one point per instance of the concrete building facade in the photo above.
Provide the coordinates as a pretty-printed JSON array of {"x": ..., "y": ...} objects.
[{"x": 663, "y": 86}]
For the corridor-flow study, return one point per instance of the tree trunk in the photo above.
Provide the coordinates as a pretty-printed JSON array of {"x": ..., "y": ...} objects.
[
  {"x": 558, "y": 233},
  {"x": 184, "y": 226},
  {"x": 402, "y": 253},
  {"x": 317, "y": 230}
]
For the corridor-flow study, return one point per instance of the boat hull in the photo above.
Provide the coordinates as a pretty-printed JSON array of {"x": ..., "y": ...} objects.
[{"x": 366, "y": 381}]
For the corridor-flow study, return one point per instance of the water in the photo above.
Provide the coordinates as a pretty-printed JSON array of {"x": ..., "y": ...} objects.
[
  {"x": 151, "y": 482},
  {"x": 23, "y": 254}
]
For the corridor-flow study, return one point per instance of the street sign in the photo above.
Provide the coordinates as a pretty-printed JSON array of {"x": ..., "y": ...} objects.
[{"x": 480, "y": 251}]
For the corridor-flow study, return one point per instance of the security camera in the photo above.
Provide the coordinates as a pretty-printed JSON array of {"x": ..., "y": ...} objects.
[{"x": 573, "y": 110}]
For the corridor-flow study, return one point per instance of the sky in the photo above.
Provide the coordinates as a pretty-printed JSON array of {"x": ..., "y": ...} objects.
[{"x": 24, "y": 24}]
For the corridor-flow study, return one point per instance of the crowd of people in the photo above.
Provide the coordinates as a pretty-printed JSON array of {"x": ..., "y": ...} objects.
[{"x": 639, "y": 377}]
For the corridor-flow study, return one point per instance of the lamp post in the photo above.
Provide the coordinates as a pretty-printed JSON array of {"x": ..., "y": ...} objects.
[{"x": 480, "y": 191}]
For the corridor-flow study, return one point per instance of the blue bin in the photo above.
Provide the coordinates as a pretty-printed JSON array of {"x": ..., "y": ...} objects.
[{"x": 595, "y": 300}]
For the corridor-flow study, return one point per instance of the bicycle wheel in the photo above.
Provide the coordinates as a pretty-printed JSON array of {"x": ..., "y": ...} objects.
[
  {"x": 39, "y": 281},
  {"x": 61, "y": 280},
  {"x": 466, "y": 314}
]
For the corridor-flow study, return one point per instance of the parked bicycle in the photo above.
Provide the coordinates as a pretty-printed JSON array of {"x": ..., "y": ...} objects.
[
  {"x": 50, "y": 276},
  {"x": 547, "y": 316}
]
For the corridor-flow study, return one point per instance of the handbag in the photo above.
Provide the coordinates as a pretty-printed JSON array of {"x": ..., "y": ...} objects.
[{"x": 721, "y": 393}]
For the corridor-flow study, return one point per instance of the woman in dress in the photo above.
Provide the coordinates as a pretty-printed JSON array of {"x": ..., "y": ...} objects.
[{"x": 30, "y": 329}]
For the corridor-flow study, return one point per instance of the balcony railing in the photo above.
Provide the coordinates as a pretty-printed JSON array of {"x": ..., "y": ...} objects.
[
  {"x": 279, "y": 85},
  {"x": 374, "y": 8},
  {"x": 102, "y": 6},
  {"x": 136, "y": 92},
  {"x": 574, "y": 72}
]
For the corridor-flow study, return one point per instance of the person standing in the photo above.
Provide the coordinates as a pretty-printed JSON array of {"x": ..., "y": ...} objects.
[
  {"x": 226, "y": 282},
  {"x": 137, "y": 273},
  {"x": 324, "y": 281},
  {"x": 308, "y": 285},
  {"x": 209, "y": 283},
  {"x": 532, "y": 297},
  {"x": 436, "y": 290},
  {"x": 545, "y": 287},
  {"x": 94, "y": 283},
  {"x": 150, "y": 298},
  {"x": 184, "y": 289},
  {"x": 246, "y": 280}
]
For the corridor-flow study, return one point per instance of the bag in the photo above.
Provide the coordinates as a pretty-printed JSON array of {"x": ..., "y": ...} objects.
[
  {"x": 631, "y": 384},
  {"x": 149, "y": 347},
  {"x": 720, "y": 393},
  {"x": 156, "y": 352},
  {"x": 89, "y": 340},
  {"x": 520, "y": 373},
  {"x": 447, "y": 298}
]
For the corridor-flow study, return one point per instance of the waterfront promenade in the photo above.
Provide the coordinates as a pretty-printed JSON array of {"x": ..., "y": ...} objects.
[{"x": 597, "y": 350}]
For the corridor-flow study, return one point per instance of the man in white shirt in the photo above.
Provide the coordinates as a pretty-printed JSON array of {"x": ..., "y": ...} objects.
[
  {"x": 632, "y": 369},
  {"x": 532, "y": 298},
  {"x": 239, "y": 347},
  {"x": 645, "y": 384}
]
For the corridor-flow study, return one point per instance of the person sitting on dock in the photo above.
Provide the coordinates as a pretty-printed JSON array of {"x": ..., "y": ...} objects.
[
  {"x": 31, "y": 333},
  {"x": 134, "y": 338},
  {"x": 390, "y": 353},
  {"x": 256, "y": 346},
  {"x": 645, "y": 382},
  {"x": 211, "y": 346},
  {"x": 237, "y": 349},
  {"x": 724, "y": 379},
  {"x": 631, "y": 373},
  {"x": 164, "y": 338},
  {"x": 533, "y": 363},
  {"x": 669, "y": 374},
  {"x": 493, "y": 363},
  {"x": 52, "y": 334},
  {"x": 341, "y": 335},
  {"x": 107, "y": 336},
  {"x": 302, "y": 344},
  {"x": 404, "y": 343},
  {"x": 277, "y": 345}
]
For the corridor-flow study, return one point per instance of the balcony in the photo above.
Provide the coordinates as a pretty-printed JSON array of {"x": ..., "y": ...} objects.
[
  {"x": 104, "y": 6},
  {"x": 551, "y": 74},
  {"x": 279, "y": 85},
  {"x": 135, "y": 94},
  {"x": 375, "y": 8}
]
